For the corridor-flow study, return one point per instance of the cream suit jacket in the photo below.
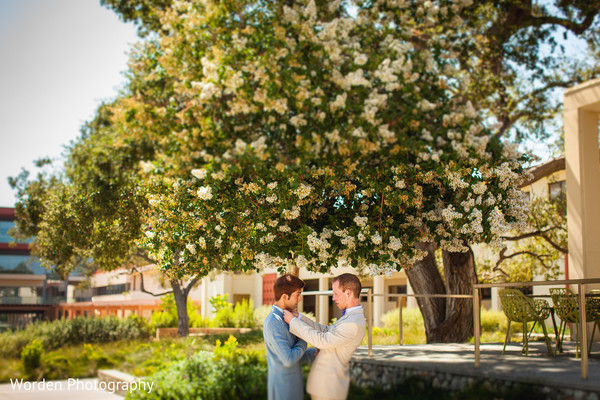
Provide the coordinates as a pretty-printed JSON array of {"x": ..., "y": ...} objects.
[{"x": 330, "y": 373}]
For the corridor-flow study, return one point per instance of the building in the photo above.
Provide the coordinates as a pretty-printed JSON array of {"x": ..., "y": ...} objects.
[
  {"x": 120, "y": 292},
  {"x": 27, "y": 290}
]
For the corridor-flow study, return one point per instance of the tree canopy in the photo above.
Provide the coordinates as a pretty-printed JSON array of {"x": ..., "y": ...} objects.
[{"x": 312, "y": 135}]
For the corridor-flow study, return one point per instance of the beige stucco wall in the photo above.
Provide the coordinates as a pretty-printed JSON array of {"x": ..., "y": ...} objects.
[{"x": 581, "y": 114}]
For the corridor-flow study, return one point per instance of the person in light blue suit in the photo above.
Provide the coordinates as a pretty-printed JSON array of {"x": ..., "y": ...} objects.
[{"x": 285, "y": 352}]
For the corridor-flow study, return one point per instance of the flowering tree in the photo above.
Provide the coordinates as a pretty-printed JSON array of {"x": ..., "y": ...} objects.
[{"x": 312, "y": 137}]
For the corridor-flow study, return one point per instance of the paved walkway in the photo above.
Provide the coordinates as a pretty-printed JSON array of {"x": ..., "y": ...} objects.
[
  {"x": 73, "y": 389},
  {"x": 458, "y": 358}
]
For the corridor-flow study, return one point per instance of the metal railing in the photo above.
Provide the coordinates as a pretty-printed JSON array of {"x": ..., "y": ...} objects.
[
  {"x": 405, "y": 295},
  {"x": 369, "y": 294},
  {"x": 581, "y": 283}
]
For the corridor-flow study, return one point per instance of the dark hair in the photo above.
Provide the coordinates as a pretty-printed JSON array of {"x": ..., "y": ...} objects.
[
  {"x": 287, "y": 284},
  {"x": 349, "y": 281}
]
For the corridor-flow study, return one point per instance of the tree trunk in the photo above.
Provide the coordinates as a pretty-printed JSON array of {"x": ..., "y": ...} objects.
[
  {"x": 425, "y": 278},
  {"x": 183, "y": 323},
  {"x": 460, "y": 275},
  {"x": 180, "y": 294},
  {"x": 446, "y": 320}
]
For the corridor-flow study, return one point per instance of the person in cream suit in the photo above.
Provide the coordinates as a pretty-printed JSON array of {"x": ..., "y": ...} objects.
[
  {"x": 285, "y": 352},
  {"x": 329, "y": 376}
]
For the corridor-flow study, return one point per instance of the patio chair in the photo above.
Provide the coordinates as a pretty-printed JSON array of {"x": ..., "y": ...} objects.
[
  {"x": 519, "y": 308},
  {"x": 566, "y": 306}
]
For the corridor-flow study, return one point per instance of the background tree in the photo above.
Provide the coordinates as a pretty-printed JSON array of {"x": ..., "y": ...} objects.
[
  {"x": 91, "y": 214},
  {"x": 538, "y": 249}
]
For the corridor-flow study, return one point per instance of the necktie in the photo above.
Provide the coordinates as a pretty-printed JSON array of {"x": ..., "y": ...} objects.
[{"x": 343, "y": 312}]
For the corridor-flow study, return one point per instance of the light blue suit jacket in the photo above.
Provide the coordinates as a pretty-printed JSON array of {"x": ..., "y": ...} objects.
[{"x": 285, "y": 352}]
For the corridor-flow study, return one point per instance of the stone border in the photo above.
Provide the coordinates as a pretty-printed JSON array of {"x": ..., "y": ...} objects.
[
  {"x": 372, "y": 373},
  {"x": 113, "y": 375},
  {"x": 172, "y": 332}
]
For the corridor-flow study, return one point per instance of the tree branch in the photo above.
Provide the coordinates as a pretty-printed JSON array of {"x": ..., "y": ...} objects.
[
  {"x": 191, "y": 284},
  {"x": 551, "y": 85},
  {"x": 540, "y": 258},
  {"x": 508, "y": 123},
  {"x": 555, "y": 245},
  {"x": 576, "y": 28},
  {"x": 544, "y": 170},
  {"x": 528, "y": 235},
  {"x": 142, "y": 289}
]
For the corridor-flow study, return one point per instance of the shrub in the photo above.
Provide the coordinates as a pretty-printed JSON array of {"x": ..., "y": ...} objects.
[
  {"x": 61, "y": 332},
  {"x": 243, "y": 314},
  {"x": 56, "y": 366},
  {"x": 197, "y": 321},
  {"x": 94, "y": 354},
  {"x": 223, "y": 311},
  {"x": 260, "y": 314},
  {"x": 134, "y": 327},
  {"x": 492, "y": 321},
  {"x": 167, "y": 316},
  {"x": 411, "y": 317},
  {"x": 228, "y": 373},
  {"x": 31, "y": 357},
  {"x": 161, "y": 319},
  {"x": 12, "y": 343}
]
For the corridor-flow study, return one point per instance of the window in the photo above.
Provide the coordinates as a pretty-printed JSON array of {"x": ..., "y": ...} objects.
[
  {"x": 4, "y": 227},
  {"x": 396, "y": 289},
  {"x": 111, "y": 289},
  {"x": 21, "y": 295},
  {"x": 20, "y": 264},
  {"x": 556, "y": 189},
  {"x": 238, "y": 298},
  {"x": 485, "y": 293},
  {"x": 4, "y": 236}
]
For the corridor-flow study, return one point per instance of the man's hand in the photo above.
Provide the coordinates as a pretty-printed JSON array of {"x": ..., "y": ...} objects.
[{"x": 288, "y": 316}]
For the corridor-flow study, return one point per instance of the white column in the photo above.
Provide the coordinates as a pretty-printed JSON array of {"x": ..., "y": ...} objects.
[
  {"x": 205, "y": 304},
  {"x": 228, "y": 286},
  {"x": 257, "y": 293},
  {"x": 323, "y": 301},
  {"x": 582, "y": 107},
  {"x": 411, "y": 302},
  {"x": 495, "y": 300},
  {"x": 378, "y": 301},
  {"x": 70, "y": 291}
]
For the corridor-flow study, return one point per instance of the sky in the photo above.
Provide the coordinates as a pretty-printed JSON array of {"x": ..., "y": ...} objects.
[{"x": 59, "y": 59}]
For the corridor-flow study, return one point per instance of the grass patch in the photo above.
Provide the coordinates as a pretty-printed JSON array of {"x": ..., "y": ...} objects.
[{"x": 136, "y": 357}]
